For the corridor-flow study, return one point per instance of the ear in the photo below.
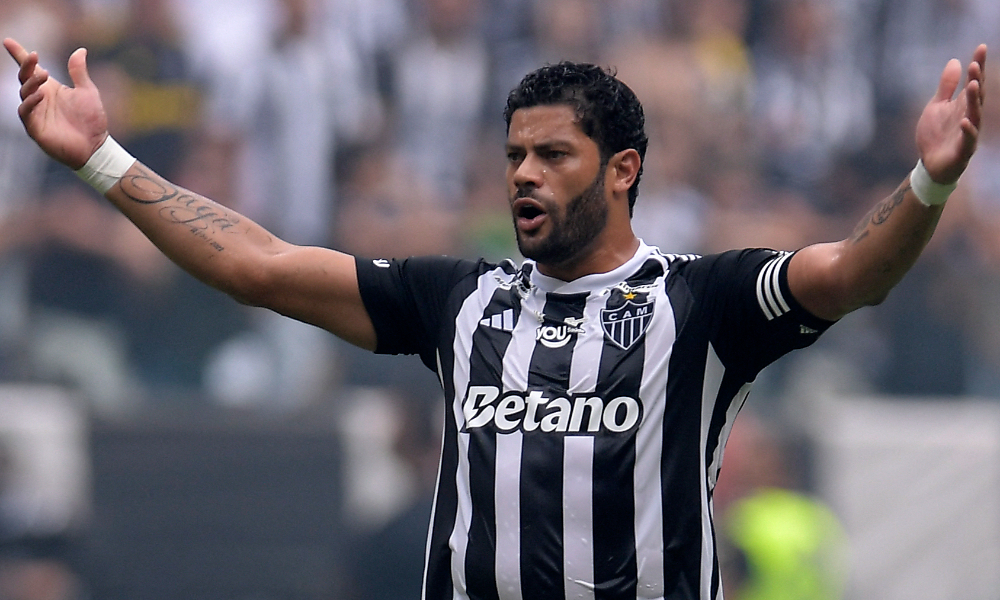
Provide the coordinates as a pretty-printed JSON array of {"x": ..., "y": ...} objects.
[{"x": 623, "y": 168}]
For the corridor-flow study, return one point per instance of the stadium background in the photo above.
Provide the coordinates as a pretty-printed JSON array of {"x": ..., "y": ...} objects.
[{"x": 157, "y": 440}]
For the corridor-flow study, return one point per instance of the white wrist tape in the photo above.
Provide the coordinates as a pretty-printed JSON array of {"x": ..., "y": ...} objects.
[
  {"x": 926, "y": 189},
  {"x": 106, "y": 166}
]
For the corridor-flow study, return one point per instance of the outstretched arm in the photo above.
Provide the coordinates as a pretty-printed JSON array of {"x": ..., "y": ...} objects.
[
  {"x": 217, "y": 245},
  {"x": 833, "y": 279}
]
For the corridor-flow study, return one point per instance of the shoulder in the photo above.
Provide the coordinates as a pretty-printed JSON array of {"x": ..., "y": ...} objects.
[
  {"x": 446, "y": 267},
  {"x": 752, "y": 277},
  {"x": 431, "y": 277},
  {"x": 723, "y": 265}
]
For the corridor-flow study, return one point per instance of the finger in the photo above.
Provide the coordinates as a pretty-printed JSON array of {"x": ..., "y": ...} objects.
[
  {"x": 950, "y": 77},
  {"x": 28, "y": 105},
  {"x": 77, "y": 67},
  {"x": 976, "y": 74},
  {"x": 970, "y": 136},
  {"x": 980, "y": 57},
  {"x": 29, "y": 87},
  {"x": 28, "y": 66},
  {"x": 16, "y": 51},
  {"x": 974, "y": 102}
]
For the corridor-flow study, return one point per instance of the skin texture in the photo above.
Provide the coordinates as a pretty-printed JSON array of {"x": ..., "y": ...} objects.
[
  {"x": 215, "y": 244},
  {"x": 553, "y": 168},
  {"x": 572, "y": 228},
  {"x": 833, "y": 279}
]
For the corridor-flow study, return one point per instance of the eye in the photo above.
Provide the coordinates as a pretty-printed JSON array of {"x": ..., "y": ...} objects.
[
  {"x": 514, "y": 156},
  {"x": 555, "y": 154}
]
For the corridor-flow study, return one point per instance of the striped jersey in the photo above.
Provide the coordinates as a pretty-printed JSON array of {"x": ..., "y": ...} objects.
[{"x": 585, "y": 421}]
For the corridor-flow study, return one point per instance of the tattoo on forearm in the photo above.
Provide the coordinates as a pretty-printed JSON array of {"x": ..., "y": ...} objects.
[
  {"x": 202, "y": 217},
  {"x": 879, "y": 214},
  {"x": 144, "y": 189}
]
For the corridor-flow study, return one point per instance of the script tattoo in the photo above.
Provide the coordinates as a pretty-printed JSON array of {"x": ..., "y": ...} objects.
[
  {"x": 202, "y": 217},
  {"x": 879, "y": 214}
]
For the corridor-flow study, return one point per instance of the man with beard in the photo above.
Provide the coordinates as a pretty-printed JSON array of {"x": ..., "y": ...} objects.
[{"x": 589, "y": 391}]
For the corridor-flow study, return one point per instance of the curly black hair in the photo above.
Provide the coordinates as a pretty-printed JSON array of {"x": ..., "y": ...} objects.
[{"x": 607, "y": 110}]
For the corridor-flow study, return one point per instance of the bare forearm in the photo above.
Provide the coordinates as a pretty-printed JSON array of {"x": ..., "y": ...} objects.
[
  {"x": 213, "y": 243},
  {"x": 834, "y": 279},
  {"x": 887, "y": 242},
  {"x": 232, "y": 253},
  {"x": 831, "y": 280}
]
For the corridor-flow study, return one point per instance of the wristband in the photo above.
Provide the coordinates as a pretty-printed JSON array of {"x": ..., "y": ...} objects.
[
  {"x": 106, "y": 166},
  {"x": 928, "y": 191}
]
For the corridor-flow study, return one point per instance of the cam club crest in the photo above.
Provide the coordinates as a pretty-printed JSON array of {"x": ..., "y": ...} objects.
[{"x": 626, "y": 324}]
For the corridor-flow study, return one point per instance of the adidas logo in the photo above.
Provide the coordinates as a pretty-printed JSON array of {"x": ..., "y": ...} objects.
[
  {"x": 807, "y": 330},
  {"x": 503, "y": 321}
]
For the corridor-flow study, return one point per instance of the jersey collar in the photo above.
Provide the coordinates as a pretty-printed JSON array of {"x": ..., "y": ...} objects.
[{"x": 588, "y": 283}]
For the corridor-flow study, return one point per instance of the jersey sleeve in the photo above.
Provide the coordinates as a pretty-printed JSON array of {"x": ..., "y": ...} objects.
[
  {"x": 406, "y": 300},
  {"x": 754, "y": 319}
]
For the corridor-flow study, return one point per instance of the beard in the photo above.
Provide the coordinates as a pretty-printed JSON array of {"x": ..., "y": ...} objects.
[{"x": 572, "y": 230}]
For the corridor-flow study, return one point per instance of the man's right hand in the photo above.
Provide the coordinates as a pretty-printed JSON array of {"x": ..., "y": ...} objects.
[
  {"x": 212, "y": 242},
  {"x": 68, "y": 123}
]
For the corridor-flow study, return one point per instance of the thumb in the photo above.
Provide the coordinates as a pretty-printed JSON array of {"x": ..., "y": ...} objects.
[{"x": 77, "y": 68}]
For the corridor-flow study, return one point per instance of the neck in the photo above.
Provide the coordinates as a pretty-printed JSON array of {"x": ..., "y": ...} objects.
[{"x": 602, "y": 256}]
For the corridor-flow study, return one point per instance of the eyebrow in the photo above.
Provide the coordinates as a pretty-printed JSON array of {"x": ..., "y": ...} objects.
[{"x": 556, "y": 144}]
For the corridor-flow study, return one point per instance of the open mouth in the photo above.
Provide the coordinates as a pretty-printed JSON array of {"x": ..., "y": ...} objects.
[{"x": 528, "y": 213}]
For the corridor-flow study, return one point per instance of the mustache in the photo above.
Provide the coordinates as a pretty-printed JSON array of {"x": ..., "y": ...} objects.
[{"x": 527, "y": 192}]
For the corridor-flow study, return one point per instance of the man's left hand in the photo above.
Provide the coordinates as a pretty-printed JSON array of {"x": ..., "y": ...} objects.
[{"x": 948, "y": 128}]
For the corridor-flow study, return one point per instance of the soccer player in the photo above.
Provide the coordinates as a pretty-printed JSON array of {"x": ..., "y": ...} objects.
[{"x": 590, "y": 390}]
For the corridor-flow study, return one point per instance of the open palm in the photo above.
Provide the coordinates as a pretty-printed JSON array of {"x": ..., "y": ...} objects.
[
  {"x": 68, "y": 123},
  {"x": 948, "y": 128}
]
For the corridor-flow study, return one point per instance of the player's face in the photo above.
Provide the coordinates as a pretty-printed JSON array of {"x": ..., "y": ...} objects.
[{"x": 555, "y": 184}]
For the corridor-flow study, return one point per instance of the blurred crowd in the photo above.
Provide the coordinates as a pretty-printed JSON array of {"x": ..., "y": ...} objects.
[{"x": 375, "y": 127}]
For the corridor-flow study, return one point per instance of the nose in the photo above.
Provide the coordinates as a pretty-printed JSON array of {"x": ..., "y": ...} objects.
[{"x": 528, "y": 173}]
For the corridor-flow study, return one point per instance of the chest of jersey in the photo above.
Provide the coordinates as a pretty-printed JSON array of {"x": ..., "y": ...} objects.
[{"x": 566, "y": 364}]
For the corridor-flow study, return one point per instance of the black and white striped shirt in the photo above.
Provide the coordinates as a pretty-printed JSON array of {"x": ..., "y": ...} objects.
[{"x": 585, "y": 421}]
